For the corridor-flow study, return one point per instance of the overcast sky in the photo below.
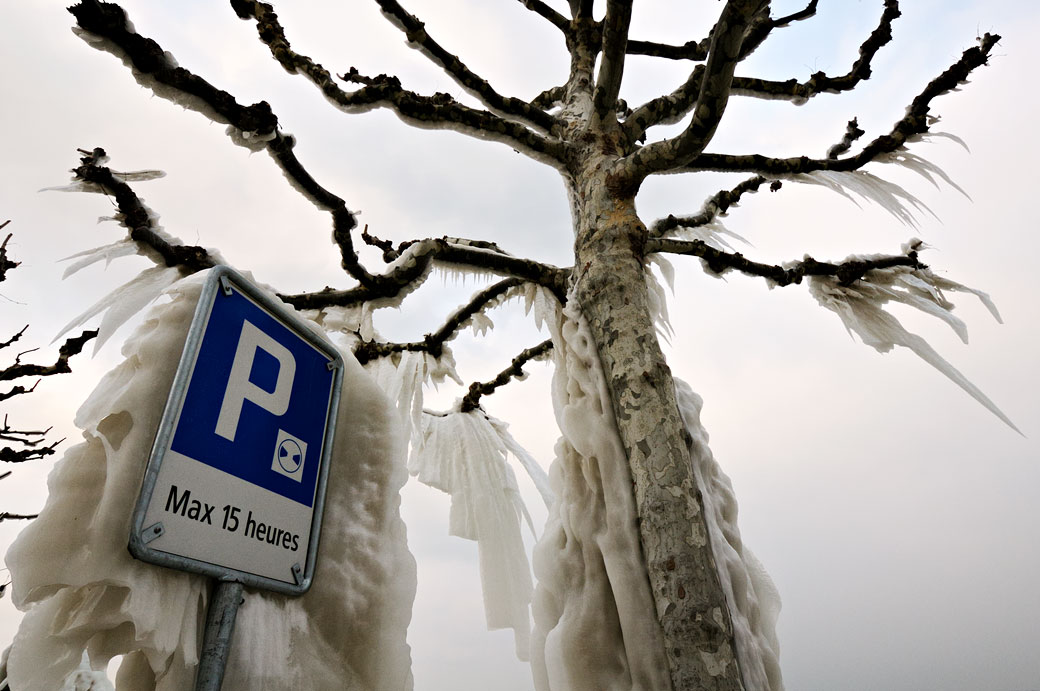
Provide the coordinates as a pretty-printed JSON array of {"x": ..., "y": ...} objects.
[{"x": 898, "y": 517}]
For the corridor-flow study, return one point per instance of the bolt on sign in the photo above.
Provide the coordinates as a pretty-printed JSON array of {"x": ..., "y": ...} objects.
[{"x": 235, "y": 483}]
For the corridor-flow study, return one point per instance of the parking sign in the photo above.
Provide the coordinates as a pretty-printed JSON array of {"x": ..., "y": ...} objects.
[{"x": 235, "y": 483}]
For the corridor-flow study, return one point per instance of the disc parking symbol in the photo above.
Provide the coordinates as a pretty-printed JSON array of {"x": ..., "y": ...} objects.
[{"x": 289, "y": 455}]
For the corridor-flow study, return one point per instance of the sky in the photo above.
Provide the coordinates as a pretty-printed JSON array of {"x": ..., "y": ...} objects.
[{"x": 898, "y": 518}]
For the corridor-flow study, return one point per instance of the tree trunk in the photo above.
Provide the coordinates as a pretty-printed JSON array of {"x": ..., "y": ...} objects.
[{"x": 693, "y": 622}]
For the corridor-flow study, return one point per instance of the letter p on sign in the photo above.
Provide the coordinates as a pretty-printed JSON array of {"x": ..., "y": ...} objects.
[{"x": 240, "y": 389}]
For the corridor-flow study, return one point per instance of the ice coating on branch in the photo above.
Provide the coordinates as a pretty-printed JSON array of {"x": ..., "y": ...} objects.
[
  {"x": 890, "y": 196},
  {"x": 754, "y": 601},
  {"x": 465, "y": 455},
  {"x": 861, "y": 308},
  {"x": 595, "y": 622},
  {"x": 82, "y": 591}
]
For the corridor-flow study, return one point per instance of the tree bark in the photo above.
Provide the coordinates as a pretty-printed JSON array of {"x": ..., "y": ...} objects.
[{"x": 611, "y": 292}]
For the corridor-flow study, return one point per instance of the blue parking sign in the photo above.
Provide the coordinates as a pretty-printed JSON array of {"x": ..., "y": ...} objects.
[{"x": 235, "y": 484}]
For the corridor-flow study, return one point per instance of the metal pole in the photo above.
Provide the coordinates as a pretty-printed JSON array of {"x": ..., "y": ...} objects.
[{"x": 220, "y": 625}]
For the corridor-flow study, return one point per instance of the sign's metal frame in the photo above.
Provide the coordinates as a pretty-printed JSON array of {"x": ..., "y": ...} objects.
[{"x": 220, "y": 281}]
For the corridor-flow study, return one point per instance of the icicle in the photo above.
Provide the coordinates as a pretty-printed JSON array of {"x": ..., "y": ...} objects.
[
  {"x": 120, "y": 248},
  {"x": 482, "y": 324},
  {"x": 860, "y": 307},
  {"x": 125, "y": 301},
  {"x": 463, "y": 454},
  {"x": 534, "y": 470},
  {"x": 655, "y": 291},
  {"x": 890, "y": 196},
  {"x": 401, "y": 378},
  {"x": 541, "y": 302}
]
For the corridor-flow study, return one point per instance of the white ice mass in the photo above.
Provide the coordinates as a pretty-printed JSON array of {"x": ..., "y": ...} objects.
[
  {"x": 83, "y": 594},
  {"x": 595, "y": 621}
]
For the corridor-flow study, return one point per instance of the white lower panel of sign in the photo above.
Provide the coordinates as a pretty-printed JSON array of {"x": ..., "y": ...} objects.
[{"x": 215, "y": 517}]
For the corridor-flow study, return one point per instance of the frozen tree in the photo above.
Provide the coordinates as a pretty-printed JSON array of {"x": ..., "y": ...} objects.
[{"x": 642, "y": 580}]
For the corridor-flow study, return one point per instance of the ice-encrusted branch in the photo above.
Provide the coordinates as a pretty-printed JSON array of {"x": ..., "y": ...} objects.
[
  {"x": 716, "y": 205},
  {"x": 916, "y": 122},
  {"x": 414, "y": 264},
  {"x": 438, "y": 111},
  {"x": 137, "y": 218},
  {"x": 419, "y": 38},
  {"x": 254, "y": 126},
  {"x": 433, "y": 342},
  {"x": 845, "y": 273},
  {"x": 818, "y": 83},
  {"x": 471, "y": 401},
  {"x": 852, "y": 133}
]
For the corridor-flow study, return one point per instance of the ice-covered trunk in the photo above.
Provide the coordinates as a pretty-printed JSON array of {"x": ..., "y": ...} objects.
[{"x": 629, "y": 595}]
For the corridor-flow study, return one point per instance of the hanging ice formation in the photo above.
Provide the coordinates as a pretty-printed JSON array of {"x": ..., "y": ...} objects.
[
  {"x": 861, "y": 308},
  {"x": 84, "y": 595},
  {"x": 595, "y": 622},
  {"x": 465, "y": 454}
]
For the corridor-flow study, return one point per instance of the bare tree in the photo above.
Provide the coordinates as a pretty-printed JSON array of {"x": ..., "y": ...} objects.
[
  {"x": 21, "y": 445},
  {"x": 601, "y": 148}
]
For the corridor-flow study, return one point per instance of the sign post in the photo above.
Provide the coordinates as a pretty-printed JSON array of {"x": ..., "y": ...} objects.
[{"x": 235, "y": 484}]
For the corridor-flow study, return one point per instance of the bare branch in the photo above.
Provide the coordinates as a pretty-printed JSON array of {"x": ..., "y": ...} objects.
[
  {"x": 4, "y": 516},
  {"x": 438, "y": 111},
  {"x": 5, "y": 263},
  {"x": 72, "y": 346},
  {"x": 549, "y": 98},
  {"x": 691, "y": 50},
  {"x": 29, "y": 439},
  {"x": 554, "y": 17},
  {"x": 719, "y": 262},
  {"x": 581, "y": 9},
  {"x": 14, "y": 338},
  {"x": 612, "y": 60},
  {"x": 820, "y": 82},
  {"x": 806, "y": 13},
  {"x": 417, "y": 36},
  {"x": 471, "y": 401},
  {"x": 713, "y": 207}
]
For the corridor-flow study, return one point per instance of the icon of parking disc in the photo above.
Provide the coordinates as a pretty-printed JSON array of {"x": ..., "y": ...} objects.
[{"x": 289, "y": 455}]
